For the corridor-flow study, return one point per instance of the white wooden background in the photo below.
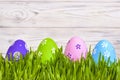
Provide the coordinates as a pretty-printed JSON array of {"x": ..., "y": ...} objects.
[{"x": 33, "y": 20}]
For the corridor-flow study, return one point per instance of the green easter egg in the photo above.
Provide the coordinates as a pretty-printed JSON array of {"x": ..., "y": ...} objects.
[{"x": 46, "y": 49}]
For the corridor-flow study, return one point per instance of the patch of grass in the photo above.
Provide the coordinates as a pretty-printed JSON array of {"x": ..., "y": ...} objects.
[{"x": 31, "y": 68}]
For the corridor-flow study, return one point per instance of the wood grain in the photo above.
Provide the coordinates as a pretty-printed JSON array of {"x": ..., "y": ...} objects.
[
  {"x": 32, "y": 21},
  {"x": 59, "y": 14}
]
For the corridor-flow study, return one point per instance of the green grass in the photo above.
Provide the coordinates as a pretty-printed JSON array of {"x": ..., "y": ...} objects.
[{"x": 31, "y": 68}]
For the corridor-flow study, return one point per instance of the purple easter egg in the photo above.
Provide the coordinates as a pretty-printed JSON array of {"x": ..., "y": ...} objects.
[{"x": 17, "y": 49}]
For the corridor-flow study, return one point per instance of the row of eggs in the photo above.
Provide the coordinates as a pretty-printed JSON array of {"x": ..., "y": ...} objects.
[{"x": 75, "y": 49}]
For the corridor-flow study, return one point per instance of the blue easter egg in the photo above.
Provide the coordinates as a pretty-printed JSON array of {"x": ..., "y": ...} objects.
[
  {"x": 106, "y": 50},
  {"x": 17, "y": 49}
]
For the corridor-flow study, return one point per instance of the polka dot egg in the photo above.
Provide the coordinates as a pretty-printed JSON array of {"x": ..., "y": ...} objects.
[
  {"x": 46, "y": 49},
  {"x": 18, "y": 48}
]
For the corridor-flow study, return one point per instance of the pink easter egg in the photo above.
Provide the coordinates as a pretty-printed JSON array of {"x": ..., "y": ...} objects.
[{"x": 76, "y": 48}]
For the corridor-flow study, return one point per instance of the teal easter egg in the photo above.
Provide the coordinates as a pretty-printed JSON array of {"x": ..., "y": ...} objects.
[{"x": 106, "y": 49}]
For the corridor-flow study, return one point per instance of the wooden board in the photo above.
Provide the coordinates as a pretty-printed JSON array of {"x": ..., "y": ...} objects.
[
  {"x": 32, "y": 21},
  {"x": 59, "y": 14}
]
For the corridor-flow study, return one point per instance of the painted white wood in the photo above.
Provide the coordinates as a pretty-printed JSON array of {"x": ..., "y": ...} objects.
[
  {"x": 59, "y": 14},
  {"x": 32, "y": 21},
  {"x": 60, "y": 0}
]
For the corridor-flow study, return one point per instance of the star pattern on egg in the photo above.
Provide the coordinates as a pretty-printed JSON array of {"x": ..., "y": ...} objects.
[
  {"x": 44, "y": 42},
  {"x": 107, "y": 54},
  {"x": 39, "y": 53},
  {"x": 53, "y": 50},
  {"x": 78, "y": 46},
  {"x": 16, "y": 55},
  {"x": 104, "y": 44},
  {"x": 69, "y": 55},
  {"x": 69, "y": 41}
]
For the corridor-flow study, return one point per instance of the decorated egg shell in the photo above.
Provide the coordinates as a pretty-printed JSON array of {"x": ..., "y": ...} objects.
[
  {"x": 106, "y": 50},
  {"x": 76, "y": 48},
  {"x": 18, "y": 48},
  {"x": 46, "y": 49}
]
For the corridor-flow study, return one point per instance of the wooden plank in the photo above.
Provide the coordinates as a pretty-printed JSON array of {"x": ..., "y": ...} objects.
[
  {"x": 59, "y": 0},
  {"x": 33, "y": 36},
  {"x": 60, "y": 14}
]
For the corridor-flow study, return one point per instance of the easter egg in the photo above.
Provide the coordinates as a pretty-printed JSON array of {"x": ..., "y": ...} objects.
[
  {"x": 106, "y": 50},
  {"x": 76, "y": 48},
  {"x": 18, "y": 48},
  {"x": 46, "y": 49}
]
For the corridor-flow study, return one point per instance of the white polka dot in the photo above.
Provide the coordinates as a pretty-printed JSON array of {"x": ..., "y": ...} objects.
[
  {"x": 53, "y": 50},
  {"x": 39, "y": 53},
  {"x": 44, "y": 42},
  {"x": 107, "y": 54},
  {"x": 20, "y": 45},
  {"x": 17, "y": 55},
  {"x": 104, "y": 45}
]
